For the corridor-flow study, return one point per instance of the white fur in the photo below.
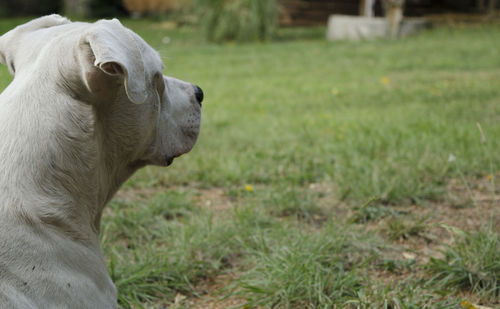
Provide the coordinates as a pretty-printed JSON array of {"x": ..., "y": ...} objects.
[{"x": 88, "y": 106}]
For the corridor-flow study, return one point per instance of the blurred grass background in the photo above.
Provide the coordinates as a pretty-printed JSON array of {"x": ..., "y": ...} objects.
[{"x": 311, "y": 144}]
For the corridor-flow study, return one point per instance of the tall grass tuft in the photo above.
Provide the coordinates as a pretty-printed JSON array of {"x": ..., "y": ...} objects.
[
  {"x": 301, "y": 270},
  {"x": 159, "y": 248},
  {"x": 237, "y": 20},
  {"x": 472, "y": 263}
]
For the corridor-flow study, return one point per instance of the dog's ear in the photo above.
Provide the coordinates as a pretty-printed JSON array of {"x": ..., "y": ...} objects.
[
  {"x": 5, "y": 56},
  {"x": 116, "y": 52},
  {"x": 9, "y": 41},
  {"x": 3, "y": 59},
  {"x": 2, "y": 56}
]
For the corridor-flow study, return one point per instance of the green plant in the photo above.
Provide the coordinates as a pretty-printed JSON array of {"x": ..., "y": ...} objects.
[
  {"x": 372, "y": 210},
  {"x": 401, "y": 228},
  {"x": 302, "y": 270},
  {"x": 158, "y": 248},
  {"x": 237, "y": 20},
  {"x": 397, "y": 265},
  {"x": 408, "y": 293},
  {"x": 472, "y": 263},
  {"x": 292, "y": 202}
]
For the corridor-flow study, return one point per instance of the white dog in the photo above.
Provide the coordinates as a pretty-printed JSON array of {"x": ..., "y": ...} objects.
[{"x": 88, "y": 106}]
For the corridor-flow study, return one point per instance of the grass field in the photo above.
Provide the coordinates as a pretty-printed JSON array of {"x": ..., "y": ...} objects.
[{"x": 327, "y": 175}]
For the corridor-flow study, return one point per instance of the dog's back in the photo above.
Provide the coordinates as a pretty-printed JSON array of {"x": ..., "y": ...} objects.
[{"x": 40, "y": 264}]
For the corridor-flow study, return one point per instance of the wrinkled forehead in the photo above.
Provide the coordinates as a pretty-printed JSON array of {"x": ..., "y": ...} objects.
[
  {"x": 30, "y": 43},
  {"x": 150, "y": 56}
]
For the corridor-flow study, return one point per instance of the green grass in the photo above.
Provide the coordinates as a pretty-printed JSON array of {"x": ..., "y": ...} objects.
[
  {"x": 291, "y": 202},
  {"x": 371, "y": 123},
  {"x": 303, "y": 270},
  {"x": 155, "y": 252},
  {"x": 398, "y": 228},
  {"x": 472, "y": 263},
  {"x": 272, "y": 113}
]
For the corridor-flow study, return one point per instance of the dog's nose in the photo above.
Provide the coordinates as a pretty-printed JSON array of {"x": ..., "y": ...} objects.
[{"x": 198, "y": 93}]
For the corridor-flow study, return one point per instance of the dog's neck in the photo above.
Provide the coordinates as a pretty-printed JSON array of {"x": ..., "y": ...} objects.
[{"x": 72, "y": 184}]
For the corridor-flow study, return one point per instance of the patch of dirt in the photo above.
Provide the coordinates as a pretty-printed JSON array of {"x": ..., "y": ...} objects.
[
  {"x": 327, "y": 198},
  {"x": 138, "y": 194},
  {"x": 165, "y": 25},
  {"x": 211, "y": 298},
  {"x": 467, "y": 206},
  {"x": 214, "y": 199}
]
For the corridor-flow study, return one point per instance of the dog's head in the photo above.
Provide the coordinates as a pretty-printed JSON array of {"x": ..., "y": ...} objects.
[{"x": 143, "y": 115}]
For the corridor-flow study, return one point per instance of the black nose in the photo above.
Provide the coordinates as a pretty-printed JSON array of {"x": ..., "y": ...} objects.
[{"x": 198, "y": 93}]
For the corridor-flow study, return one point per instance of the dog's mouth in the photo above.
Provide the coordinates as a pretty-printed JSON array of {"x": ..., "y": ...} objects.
[{"x": 169, "y": 161}]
